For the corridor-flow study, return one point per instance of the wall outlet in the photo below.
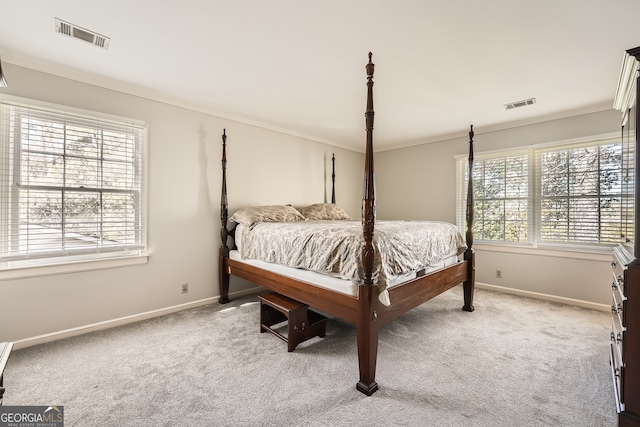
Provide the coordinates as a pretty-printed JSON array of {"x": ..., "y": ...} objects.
[
  {"x": 185, "y": 288},
  {"x": 499, "y": 274}
]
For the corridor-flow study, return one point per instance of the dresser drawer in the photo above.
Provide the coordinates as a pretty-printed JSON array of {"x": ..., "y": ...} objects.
[
  {"x": 618, "y": 269},
  {"x": 617, "y": 284},
  {"x": 618, "y": 307},
  {"x": 618, "y": 378},
  {"x": 618, "y": 326},
  {"x": 618, "y": 335}
]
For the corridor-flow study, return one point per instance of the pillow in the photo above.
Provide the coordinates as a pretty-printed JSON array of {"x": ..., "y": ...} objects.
[
  {"x": 325, "y": 211},
  {"x": 274, "y": 213}
]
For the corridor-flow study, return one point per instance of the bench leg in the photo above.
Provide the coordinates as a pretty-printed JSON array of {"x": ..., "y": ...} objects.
[{"x": 297, "y": 328}]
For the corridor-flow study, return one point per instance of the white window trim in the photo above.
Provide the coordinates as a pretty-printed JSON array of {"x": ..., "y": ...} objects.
[
  {"x": 85, "y": 262},
  {"x": 589, "y": 255},
  {"x": 600, "y": 253},
  {"x": 37, "y": 268}
]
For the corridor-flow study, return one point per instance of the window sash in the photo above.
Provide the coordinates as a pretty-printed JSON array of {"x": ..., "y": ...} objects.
[{"x": 72, "y": 183}]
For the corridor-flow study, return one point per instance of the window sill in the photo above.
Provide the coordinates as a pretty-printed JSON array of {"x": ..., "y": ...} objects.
[
  {"x": 38, "y": 268},
  {"x": 547, "y": 252}
]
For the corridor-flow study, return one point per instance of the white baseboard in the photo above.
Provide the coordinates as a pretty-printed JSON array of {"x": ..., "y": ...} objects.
[
  {"x": 547, "y": 297},
  {"x": 54, "y": 336}
]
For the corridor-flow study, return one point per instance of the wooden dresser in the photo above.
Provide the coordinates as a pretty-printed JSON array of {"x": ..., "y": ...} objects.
[
  {"x": 625, "y": 288},
  {"x": 625, "y": 336}
]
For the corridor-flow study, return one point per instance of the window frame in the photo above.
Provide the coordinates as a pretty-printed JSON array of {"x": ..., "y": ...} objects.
[
  {"x": 100, "y": 256},
  {"x": 534, "y": 201}
]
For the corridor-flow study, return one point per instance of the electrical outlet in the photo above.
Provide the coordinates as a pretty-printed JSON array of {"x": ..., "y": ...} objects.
[
  {"x": 499, "y": 274},
  {"x": 185, "y": 288}
]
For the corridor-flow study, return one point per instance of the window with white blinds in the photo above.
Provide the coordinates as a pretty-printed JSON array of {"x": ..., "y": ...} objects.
[
  {"x": 71, "y": 183},
  {"x": 501, "y": 196},
  {"x": 580, "y": 194},
  {"x": 567, "y": 196}
]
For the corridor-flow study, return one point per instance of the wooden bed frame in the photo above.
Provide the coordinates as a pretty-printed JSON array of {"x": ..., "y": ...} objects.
[{"x": 365, "y": 311}]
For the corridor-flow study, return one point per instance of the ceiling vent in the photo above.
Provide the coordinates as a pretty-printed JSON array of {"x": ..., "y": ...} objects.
[
  {"x": 68, "y": 29},
  {"x": 518, "y": 104}
]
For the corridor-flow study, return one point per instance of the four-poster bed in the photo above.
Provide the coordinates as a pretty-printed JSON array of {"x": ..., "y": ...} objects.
[{"x": 363, "y": 307}]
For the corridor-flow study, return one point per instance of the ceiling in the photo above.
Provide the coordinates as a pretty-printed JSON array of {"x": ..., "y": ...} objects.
[{"x": 298, "y": 66}]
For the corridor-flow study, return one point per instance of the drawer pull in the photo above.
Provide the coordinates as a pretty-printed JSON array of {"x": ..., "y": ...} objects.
[
  {"x": 616, "y": 338},
  {"x": 616, "y": 372}
]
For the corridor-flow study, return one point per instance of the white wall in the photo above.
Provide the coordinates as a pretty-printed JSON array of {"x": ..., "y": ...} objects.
[
  {"x": 419, "y": 183},
  {"x": 264, "y": 167}
]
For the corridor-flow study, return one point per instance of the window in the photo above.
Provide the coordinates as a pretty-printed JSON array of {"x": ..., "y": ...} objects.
[
  {"x": 580, "y": 194},
  {"x": 568, "y": 196},
  {"x": 71, "y": 185},
  {"x": 501, "y": 192}
]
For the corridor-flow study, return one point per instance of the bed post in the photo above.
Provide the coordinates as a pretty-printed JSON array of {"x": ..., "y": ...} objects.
[
  {"x": 224, "y": 232},
  {"x": 469, "y": 255},
  {"x": 367, "y": 327},
  {"x": 333, "y": 178}
]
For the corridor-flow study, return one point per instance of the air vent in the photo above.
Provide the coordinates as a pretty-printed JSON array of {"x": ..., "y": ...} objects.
[
  {"x": 68, "y": 29},
  {"x": 518, "y": 104}
]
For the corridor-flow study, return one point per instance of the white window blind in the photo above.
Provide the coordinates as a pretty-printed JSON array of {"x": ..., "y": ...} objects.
[
  {"x": 570, "y": 196},
  {"x": 502, "y": 207},
  {"x": 580, "y": 197},
  {"x": 70, "y": 183}
]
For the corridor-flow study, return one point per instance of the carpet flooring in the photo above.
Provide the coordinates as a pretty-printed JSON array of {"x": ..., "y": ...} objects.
[{"x": 513, "y": 362}]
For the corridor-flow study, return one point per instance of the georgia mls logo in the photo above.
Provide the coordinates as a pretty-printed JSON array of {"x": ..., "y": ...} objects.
[{"x": 31, "y": 416}]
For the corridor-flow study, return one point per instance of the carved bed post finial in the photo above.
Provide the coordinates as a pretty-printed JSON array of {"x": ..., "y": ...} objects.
[
  {"x": 333, "y": 178},
  {"x": 223, "y": 276}
]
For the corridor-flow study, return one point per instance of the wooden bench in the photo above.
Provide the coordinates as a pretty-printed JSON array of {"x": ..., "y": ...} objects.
[
  {"x": 5, "y": 351},
  {"x": 302, "y": 323}
]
